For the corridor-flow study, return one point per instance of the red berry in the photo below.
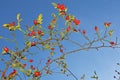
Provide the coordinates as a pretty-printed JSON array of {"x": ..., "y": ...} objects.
[
  {"x": 48, "y": 61},
  {"x": 112, "y": 43},
  {"x": 47, "y": 72},
  {"x": 84, "y": 32},
  {"x": 33, "y": 43},
  {"x": 61, "y": 50},
  {"x": 52, "y": 49},
  {"x": 12, "y": 23},
  {"x": 37, "y": 73},
  {"x": 35, "y": 22},
  {"x": 67, "y": 17},
  {"x": 3, "y": 74},
  {"x": 77, "y": 22},
  {"x": 32, "y": 67},
  {"x": 6, "y": 49},
  {"x": 39, "y": 32},
  {"x": 33, "y": 33},
  {"x": 62, "y": 7},
  {"x": 30, "y": 34},
  {"x": 50, "y": 27},
  {"x": 58, "y": 6},
  {"x": 30, "y": 60},
  {"x": 68, "y": 28},
  {"x": 96, "y": 28},
  {"x": 13, "y": 73},
  {"x": 24, "y": 65}
]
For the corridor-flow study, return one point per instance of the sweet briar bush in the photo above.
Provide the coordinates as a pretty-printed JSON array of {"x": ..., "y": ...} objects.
[{"x": 51, "y": 40}]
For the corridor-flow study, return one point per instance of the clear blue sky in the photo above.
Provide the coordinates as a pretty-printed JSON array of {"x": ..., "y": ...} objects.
[{"x": 90, "y": 12}]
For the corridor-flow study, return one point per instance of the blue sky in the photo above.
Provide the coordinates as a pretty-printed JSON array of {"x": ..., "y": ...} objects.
[{"x": 90, "y": 12}]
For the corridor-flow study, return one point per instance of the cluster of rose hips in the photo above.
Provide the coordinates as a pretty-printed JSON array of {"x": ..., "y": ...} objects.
[{"x": 33, "y": 33}]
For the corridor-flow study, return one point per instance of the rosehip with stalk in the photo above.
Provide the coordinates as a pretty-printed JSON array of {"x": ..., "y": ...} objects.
[
  {"x": 29, "y": 34},
  {"x": 33, "y": 33},
  {"x": 30, "y": 60},
  {"x": 77, "y": 22},
  {"x": 67, "y": 17},
  {"x": 112, "y": 43},
  {"x": 37, "y": 73},
  {"x": 68, "y": 29},
  {"x": 58, "y": 6},
  {"x": 96, "y": 28},
  {"x": 61, "y": 7},
  {"x": 52, "y": 49},
  {"x": 48, "y": 61},
  {"x": 12, "y": 74},
  {"x": 61, "y": 50},
  {"x": 39, "y": 32},
  {"x": 35, "y": 22},
  {"x": 12, "y": 23},
  {"x": 3, "y": 74},
  {"x": 32, "y": 67},
  {"x": 84, "y": 32},
  {"x": 33, "y": 43},
  {"x": 50, "y": 27},
  {"x": 6, "y": 49},
  {"x": 24, "y": 65}
]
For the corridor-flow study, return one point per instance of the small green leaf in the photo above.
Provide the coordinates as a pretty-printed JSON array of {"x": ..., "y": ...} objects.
[{"x": 53, "y": 15}]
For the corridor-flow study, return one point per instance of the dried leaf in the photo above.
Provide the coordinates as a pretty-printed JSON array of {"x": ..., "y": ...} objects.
[
  {"x": 54, "y": 4},
  {"x": 39, "y": 19},
  {"x": 18, "y": 16},
  {"x": 6, "y": 25},
  {"x": 110, "y": 32},
  {"x": 53, "y": 15}
]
